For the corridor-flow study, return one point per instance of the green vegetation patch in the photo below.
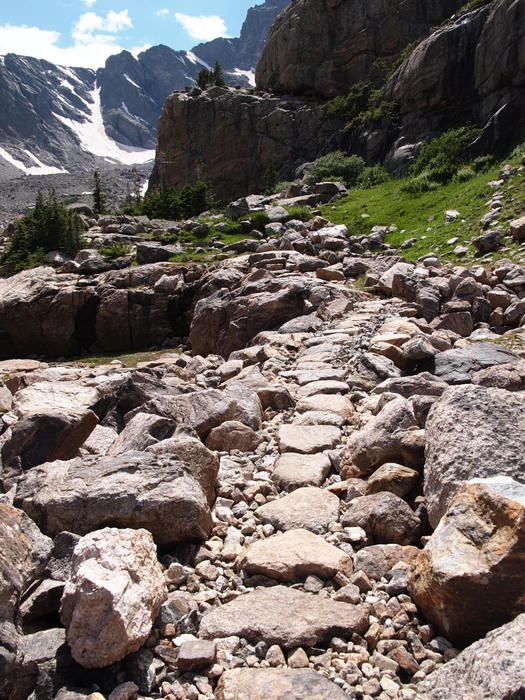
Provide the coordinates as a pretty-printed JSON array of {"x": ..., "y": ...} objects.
[{"x": 420, "y": 215}]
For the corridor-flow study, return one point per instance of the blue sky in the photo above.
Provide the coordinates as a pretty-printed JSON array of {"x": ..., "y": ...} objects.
[{"x": 85, "y": 32}]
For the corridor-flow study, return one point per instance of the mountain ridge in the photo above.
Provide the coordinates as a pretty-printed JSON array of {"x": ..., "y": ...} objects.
[{"x": 52, "y": 121}]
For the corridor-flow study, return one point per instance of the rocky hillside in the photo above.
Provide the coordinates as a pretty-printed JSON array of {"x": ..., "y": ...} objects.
[
  {"x": 407, "y": 73},
  {"x": 58, "y": 119},
  {"x": 298, "y": 502}
]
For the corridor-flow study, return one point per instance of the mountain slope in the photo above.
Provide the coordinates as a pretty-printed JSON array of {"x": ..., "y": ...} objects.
[{"x": 56, "y": 119}]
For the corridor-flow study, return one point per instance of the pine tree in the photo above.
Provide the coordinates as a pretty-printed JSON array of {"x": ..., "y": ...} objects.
[
  {"x": 207, "y": 78},
  {"x": 218, "y": 75},
  {"x": 99, "y": 198}
]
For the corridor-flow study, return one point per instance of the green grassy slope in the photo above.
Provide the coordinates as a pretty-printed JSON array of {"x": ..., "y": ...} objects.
[{"x": 421, "y": 215}]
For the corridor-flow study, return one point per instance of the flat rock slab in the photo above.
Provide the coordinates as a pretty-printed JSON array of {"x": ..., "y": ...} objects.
[
  {"x": 308, "y": 439},
  {"x": 292, "y": 470},
  {"x": 137, "y": 489},
  {"x": 327, "y": 402},
  {"x": 46, "y": 397},
  {"x": 315, "y": 375},
  {"x": 294, "y": 556},
  {"x": 286, "y": 617},
  {"x": 310, "y": 508},
  {"x": 325, "y": 387},
  {"x": 319, "y": 418},
  {"x": 456, "y": 366},
  {"x": 276, "y": 684}
]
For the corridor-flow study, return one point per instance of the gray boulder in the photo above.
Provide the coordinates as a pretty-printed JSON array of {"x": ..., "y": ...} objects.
[
  {"x": 276, "y": 684},
  {"x": 472, "y": 432},
  {"x": 457, "y": 366},
  {"x": 492, "y": 668},
  {"x": 24, "y": 551},
  {"x": 137, "y": 489}
]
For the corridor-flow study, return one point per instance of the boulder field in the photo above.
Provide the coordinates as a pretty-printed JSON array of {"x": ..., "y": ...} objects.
[{"x": 320, "y": 495}]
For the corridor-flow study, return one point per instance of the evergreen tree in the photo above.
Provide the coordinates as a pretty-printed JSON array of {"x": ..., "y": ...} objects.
[
  {"x": 204, "y": 79},
  {"x": 217, "y": 75},
  {"x": 49, "y": 226},
  {"x": 99, "y": 198},
  {"x": 207, "y": 78}
]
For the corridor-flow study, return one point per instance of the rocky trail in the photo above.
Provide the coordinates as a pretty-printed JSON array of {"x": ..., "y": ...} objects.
[{"x": 324, "y": 499}]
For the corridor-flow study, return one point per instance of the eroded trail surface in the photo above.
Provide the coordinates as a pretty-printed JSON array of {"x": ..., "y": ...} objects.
[{"x": 252, "y": 526}]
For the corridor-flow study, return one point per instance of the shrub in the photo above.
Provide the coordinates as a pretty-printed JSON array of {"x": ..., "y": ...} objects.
[
  {"x": 364, "y": 103},
  {"x": 420, "y": 183},
  {"x": 49, "y": 226},
  {"x": 114, "y": 251},
  {"x": 482, "y": 163},
  {"x": 302, "y": 213},
  {"x": 464, "y": 174},
  {"x": 371, "y": 176},
  {"x": 442, "y": 156},
  {"x": 336, "y": 164},
  {"x": 191, "y": 200},
  {"x": 518, "y": 151}
]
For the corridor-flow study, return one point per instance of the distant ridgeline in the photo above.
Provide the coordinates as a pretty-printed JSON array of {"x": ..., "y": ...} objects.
[{"x": 56, "y": 119}]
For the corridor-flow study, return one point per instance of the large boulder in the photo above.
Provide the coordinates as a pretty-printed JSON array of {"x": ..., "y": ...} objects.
[
  {"x": 309, "y": 507},
  {"x": 493, "y": 667},
  {"x": 113, "y": 596},
  {"x": 293, "y": 556},
  {"x": 137, "y": 489},
  {"x": 276, "y": 684},
  {"x": 39, "y": 309},
  {"x": 205, "y": 410},
  {"x": 458, "y": 365},
  {"x": 228, "y": 321},
  {"x": 204, "y": 463},
  {"x": 391, "y": 436},
  {"x": 385, "y": 516},
  {"x": 284, "y": 616},
  {"x": 472, "y": 432},
  {"x": 469, "y": 577},
  {"x": 45, "y": 437},
  {"x": 142, "y": 431},
  {"x": 24, "y": 551},
  {"x": 54, "y": 397}
]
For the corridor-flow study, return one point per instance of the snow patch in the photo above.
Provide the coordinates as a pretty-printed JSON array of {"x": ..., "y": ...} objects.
[
  {"x": 144, "y": 188},
  {"x": 93, "y": 138},
  {"x": 249, "y": 74},
  {"x": 70, "y": 74},
  {"x": 38, "y": 169},
  {"x": 132, "y": 82},
  {"x": 196, "y": 60}
]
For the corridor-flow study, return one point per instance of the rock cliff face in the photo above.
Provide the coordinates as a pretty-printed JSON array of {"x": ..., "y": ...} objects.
[
  {"x": 456, "y": 76},
  {"x": 322, "y": 47},
  {"x": 235, "y": 138}
]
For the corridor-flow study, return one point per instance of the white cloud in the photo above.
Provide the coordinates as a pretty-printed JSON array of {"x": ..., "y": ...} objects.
[
  {"x": 202, "y": 27},
  {"x": 93, "y": 40},
  {"x": 163, "y": 12},
  {"x": 89, "y": 3}
]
